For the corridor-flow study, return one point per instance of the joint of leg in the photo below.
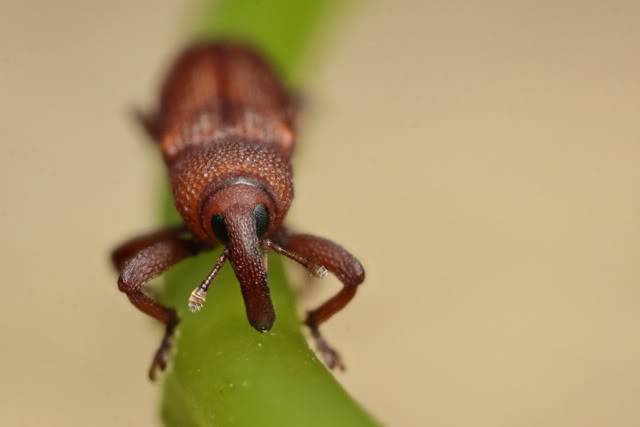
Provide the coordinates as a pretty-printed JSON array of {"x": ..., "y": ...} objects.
[
  {"x": 126, "y": 287},
  {"x": 172, "y": 321},
  {"x": 354, "y": 279},
  {"x": 311, "y": 322}
]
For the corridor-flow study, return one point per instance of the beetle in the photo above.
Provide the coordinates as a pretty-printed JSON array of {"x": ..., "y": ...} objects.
[{"x": 225, "y": 127}]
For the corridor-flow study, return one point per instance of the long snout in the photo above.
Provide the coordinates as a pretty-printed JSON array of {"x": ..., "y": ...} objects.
[{"x": 246, "y": 259}]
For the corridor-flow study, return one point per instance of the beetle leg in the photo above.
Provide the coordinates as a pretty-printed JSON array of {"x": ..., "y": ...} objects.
[
  {"x": 140, "y": 260},
  {"x": 316, "y": 254}
]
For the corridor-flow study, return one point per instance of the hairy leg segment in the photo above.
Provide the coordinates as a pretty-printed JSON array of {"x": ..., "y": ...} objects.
[
  {"x": 140, "y": 260},
  {"x": 316, "y": 254}
]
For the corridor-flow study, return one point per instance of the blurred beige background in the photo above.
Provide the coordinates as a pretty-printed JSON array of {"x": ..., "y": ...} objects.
[{"x": 481, "y": 158}]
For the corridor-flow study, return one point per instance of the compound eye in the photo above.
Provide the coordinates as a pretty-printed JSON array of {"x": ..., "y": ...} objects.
[
  {"x": 219, "y": 229},
  {"x": 261, "y": 215}
]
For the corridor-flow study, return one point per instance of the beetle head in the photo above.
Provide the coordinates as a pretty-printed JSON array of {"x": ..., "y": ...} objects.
[
  {"x": 238, "y": 216},
  {"x": 236, "y": 192}
]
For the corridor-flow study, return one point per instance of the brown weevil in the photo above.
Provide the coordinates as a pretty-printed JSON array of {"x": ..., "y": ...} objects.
[{"x": 225, "y": 126}]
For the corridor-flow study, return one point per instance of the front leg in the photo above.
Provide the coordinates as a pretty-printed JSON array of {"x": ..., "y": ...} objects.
[
  {"x": 140, "y": 260},
  {"x": 316, "y": 253}
]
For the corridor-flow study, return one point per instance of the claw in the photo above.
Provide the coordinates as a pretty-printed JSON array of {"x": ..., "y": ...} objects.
[
  {"x": 329, "y": 355},
  {"x": 160, "y": 361},
  {"x": 163, "y": 354}
]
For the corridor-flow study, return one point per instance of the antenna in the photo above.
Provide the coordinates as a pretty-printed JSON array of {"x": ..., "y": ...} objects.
[
  {"x": 199, "y": 294},
  {"x": 314, "y": 269}
]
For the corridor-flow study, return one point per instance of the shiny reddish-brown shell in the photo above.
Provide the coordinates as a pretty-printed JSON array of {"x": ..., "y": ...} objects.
[
  {"x": 224, "y": 114},
  {"x": 218, "y": 90}
]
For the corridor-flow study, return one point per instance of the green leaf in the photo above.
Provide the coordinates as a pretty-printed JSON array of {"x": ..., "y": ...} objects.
[
  {"x": 281, "y": 29},
  {"x": 224, "y": 372}
]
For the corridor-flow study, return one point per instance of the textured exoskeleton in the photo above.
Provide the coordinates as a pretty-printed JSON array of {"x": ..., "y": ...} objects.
[{"x": 225, "y": 126}]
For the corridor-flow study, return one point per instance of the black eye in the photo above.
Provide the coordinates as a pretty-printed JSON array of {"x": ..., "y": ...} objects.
[
  {"x": 261, "y": 214},
  {"x": 219, "y": 229}
]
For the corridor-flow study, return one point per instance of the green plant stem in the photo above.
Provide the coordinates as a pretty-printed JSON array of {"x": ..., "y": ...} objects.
[
  {"x": 281, "y": 29},
  {"x": 224, "y": 372}
]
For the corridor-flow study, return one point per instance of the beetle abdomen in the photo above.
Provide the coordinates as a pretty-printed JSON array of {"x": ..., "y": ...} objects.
[{"x": 218, "y": 90}]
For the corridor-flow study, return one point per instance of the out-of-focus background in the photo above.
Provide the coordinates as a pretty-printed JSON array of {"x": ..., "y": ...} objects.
[{"x": 480, "y": 157}]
